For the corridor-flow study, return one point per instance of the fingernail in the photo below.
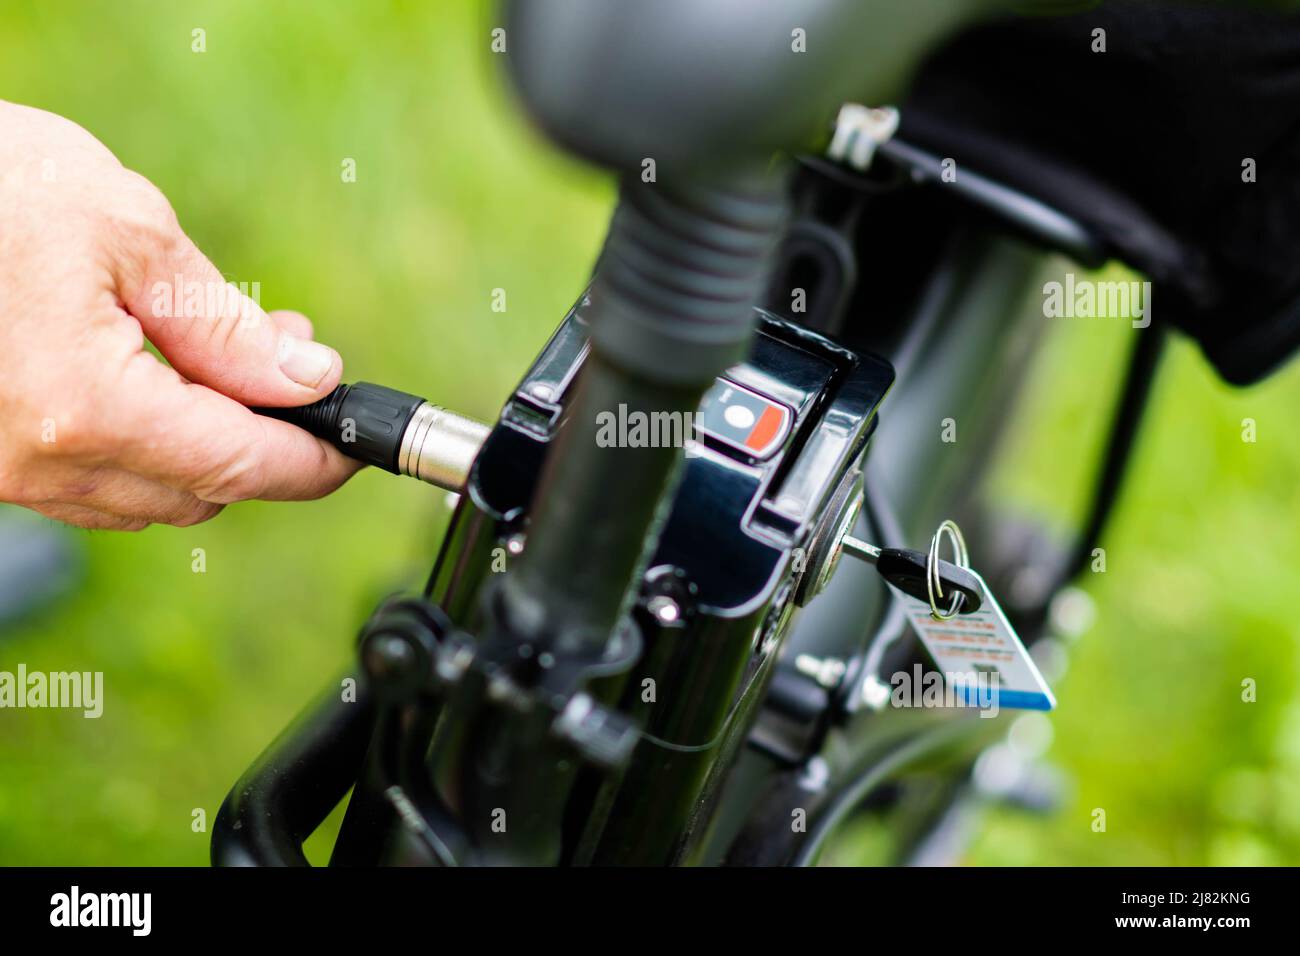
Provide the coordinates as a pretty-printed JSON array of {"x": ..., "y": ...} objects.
[{"x": 304, "y": 361}]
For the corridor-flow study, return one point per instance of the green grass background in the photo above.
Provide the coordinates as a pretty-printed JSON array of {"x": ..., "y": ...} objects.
[{"x": 455, "y": 197}]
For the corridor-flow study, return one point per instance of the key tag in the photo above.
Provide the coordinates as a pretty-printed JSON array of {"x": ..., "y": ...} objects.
[{"x": 982, "y": 658}]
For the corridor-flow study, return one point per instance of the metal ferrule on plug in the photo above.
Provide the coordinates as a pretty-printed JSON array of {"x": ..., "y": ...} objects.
[{"x": 439, "y": 446}]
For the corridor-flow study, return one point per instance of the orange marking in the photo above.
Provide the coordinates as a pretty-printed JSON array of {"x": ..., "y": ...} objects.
[{"x": 763, "y": 432}]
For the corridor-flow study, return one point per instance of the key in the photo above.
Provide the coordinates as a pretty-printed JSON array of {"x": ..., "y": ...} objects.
[{"x": 906, "y": 570}]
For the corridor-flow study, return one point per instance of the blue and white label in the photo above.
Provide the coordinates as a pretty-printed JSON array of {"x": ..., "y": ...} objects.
[{"x": 981, "y": 655}]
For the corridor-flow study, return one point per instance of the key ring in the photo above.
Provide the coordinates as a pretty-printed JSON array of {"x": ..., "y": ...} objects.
[{"x": 933, "y": 585}]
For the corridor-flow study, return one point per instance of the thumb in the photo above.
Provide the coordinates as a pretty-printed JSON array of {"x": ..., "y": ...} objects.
[{"x": 214, "y": 334}]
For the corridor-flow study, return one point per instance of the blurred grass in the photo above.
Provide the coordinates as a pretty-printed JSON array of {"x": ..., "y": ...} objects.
[
  {"x": 456, "y": 197},
  {"x": 453, "y": 198},
  {"x": 1198, "y": 595}
]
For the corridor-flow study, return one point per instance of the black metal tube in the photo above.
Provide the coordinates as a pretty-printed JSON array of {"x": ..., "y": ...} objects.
[
  {"x": 594, "y": 507},
  {"x": 672, "y": 307},
  {"x": 295, "y": 783},
  {"x": 1125, "y": 424}
]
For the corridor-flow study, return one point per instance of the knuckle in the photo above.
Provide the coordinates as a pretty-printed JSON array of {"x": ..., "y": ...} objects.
[
  {"x": 86, "y": 420},
  {"x": 142, "y": 208},
  {"x": 143, "y": 230},
  {"x": 68, "y": 431},
  {"x": 196, "y": 514},
  {"x": 224, "y": 336},
  {"x": 238, "y": 479}
]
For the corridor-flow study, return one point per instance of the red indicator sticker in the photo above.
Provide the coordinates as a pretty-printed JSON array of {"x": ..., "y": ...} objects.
[{"x": 769, "y": 423}]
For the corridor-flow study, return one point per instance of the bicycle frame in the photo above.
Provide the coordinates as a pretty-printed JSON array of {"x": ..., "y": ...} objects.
[{"x": 962, "y": 343}]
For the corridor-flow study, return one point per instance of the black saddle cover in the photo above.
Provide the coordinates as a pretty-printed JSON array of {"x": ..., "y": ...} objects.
[{"x": 1149, "y": 143}]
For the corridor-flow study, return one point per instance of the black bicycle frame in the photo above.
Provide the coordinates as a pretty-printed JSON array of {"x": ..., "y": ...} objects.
[
  {"x": 956, "y": 308},
  {"x": 506, "y": 714}
]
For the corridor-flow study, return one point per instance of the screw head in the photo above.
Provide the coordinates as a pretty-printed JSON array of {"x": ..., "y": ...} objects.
[
  {"x": 389, "y": 658},
  {"x": 664, "y": 609}
]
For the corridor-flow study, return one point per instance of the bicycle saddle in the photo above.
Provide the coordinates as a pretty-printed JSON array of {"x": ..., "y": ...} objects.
[{"x": 1130, "y": 113}]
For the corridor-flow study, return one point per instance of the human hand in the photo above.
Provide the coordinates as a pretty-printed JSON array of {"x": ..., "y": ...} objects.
[{"x": 95, "y": 430}]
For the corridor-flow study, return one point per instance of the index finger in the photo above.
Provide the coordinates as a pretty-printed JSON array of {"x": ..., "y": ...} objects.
[{"x": 193, "y": 438}]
